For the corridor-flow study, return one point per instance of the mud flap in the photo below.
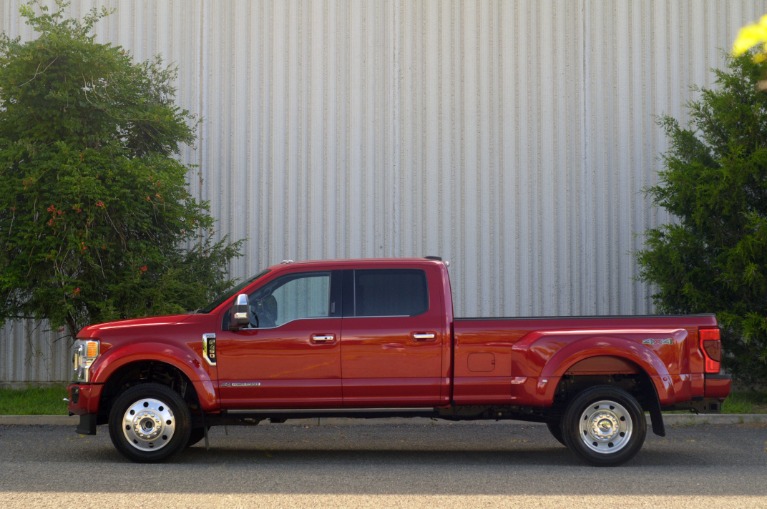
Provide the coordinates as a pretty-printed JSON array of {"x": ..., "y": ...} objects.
[
  {"x": 87, "y": 424},
  {"x": 657, "y": 418}
]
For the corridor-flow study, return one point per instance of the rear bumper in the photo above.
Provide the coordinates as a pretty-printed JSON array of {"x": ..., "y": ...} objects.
[{"x": 717, "y": 386}]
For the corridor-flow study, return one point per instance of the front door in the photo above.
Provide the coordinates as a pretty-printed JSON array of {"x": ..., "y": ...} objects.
[{"x": 290, "y": 356}]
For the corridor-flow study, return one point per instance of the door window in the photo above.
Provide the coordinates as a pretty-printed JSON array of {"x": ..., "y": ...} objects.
[
  {"x": 293, "y": 297},
  {"x": 390, "y": 292}
]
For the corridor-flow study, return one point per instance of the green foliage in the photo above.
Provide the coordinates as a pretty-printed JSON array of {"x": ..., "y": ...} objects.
[
  {"x": 714, "y": 258},
  {"x": 745, "y": 402},
  {"x": 96, "y": 221}
]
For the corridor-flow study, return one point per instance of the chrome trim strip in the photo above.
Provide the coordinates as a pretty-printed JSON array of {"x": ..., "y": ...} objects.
[{"x": 329, "y": 410}]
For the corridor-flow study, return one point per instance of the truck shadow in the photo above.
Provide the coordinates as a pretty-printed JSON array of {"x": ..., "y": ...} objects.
[
  {"x": 382, "y": 457},
  {"x": 541, "y": 471}
]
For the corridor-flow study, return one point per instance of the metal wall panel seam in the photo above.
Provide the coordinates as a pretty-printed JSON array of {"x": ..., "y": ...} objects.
[{"x": 432, "y": 128}]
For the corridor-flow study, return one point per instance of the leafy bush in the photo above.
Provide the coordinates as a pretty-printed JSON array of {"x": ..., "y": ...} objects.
[
  {"x": 714, "y": 181},
  {"x": 96, "y": 221}
]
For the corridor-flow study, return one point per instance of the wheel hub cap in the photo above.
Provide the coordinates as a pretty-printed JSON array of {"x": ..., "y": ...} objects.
[
  {"x": 149, "y": 424},
  {"x": 605, "y": 427}
]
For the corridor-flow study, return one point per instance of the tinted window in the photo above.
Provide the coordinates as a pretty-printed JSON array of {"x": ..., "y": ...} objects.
[{"x": 390, "y": 292}]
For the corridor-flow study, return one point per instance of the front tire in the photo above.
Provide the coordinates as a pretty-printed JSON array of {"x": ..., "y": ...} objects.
[
  {"x": 604, "y": 425},
  {"x": 149, "y": 423}
]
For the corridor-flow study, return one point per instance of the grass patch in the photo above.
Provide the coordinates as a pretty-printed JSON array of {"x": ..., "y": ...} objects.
[
  {"x": 34, "y": 401},
  {"x": 745, "y": 402}
]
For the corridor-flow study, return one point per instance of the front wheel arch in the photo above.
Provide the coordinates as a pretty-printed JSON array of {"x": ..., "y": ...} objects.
[{"x": 144, "y": 372}]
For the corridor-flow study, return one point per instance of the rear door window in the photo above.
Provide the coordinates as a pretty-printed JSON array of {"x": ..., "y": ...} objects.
[{"x": 390, "y": 292}]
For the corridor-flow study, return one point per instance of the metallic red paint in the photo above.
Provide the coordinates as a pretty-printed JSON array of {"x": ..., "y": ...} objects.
[{"x": 394, "y": 361}]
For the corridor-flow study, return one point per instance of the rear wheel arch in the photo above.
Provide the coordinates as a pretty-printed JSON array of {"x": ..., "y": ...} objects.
[
  {"x": 592, "y": 366},
  {"x": 638, "y": 383},
  {"x": 625, "y": 375}
]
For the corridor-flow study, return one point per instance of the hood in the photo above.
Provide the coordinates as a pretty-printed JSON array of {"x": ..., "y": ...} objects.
[{"x": 98, "y": 330}]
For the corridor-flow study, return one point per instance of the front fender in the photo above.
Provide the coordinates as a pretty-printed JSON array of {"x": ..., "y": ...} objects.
[{"x": 181, "y": 357}]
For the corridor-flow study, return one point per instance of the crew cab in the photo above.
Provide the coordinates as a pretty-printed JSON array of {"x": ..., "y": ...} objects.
[{"x": 377, "y": 338}]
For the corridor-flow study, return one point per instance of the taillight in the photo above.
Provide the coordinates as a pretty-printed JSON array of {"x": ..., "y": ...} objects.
[{"x": 711, "y": 346}]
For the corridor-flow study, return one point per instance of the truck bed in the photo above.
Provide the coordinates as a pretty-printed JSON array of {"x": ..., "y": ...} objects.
[{"x": 521, "y": 360}]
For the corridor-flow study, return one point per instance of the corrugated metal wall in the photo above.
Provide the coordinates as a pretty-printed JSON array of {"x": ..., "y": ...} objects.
[{"x": 513, "y": 138}]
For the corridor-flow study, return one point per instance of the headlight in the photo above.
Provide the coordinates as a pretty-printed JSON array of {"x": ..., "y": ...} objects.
[{"x": 84, "y": 352}]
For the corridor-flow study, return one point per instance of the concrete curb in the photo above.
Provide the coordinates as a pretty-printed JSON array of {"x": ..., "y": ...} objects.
[
  {"x": 669, "y": 420},
  {"x": 38, "y": 420}
]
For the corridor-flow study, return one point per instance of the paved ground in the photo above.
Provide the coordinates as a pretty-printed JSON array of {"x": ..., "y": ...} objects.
[{"x": 396, "y": 464}]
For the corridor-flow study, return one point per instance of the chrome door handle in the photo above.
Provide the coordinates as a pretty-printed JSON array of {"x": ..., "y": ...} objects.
[
  {"x": 323, "y": 338},
  {"x": 424, "y": 336}
]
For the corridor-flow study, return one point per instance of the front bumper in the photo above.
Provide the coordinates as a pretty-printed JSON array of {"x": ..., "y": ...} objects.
[{"x": 84, "y": 401}]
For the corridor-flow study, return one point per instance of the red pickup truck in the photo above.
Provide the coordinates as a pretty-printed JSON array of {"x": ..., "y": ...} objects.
[{"x": 377, "y": 338}]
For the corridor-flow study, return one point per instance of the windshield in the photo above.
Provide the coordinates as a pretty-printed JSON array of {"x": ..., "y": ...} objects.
[{"x": 229, "y": 293}]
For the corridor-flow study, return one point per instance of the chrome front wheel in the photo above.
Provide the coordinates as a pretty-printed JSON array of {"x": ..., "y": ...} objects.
[{"x": 149, "y": 422}]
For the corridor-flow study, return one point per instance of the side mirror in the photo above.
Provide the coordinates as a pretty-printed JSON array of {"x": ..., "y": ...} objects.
[{"x": 239, "y": 315}]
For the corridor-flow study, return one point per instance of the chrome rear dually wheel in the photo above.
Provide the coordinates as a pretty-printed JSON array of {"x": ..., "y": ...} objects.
[{"x": 604, "y": 425}]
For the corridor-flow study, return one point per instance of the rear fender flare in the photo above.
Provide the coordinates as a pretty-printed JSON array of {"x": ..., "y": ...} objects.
[{"x": 604, "y": 346}]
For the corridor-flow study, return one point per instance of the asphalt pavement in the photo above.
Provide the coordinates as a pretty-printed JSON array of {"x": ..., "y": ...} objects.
[{"x": 367, "y": 464}]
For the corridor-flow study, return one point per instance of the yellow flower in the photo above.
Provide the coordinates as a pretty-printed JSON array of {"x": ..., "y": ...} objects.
[{"x": 751, "y": 35}]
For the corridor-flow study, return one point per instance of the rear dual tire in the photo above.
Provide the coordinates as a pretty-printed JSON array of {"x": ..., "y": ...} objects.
[{"x": 604, "y": 426}]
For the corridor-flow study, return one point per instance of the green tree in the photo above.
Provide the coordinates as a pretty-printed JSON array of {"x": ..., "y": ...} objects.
[
  {"x": 96, "y": 220},
  {"x": 714, "y": 181}
]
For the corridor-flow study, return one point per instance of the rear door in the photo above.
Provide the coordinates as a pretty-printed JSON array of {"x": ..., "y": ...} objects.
[{"x": 392, "y": 339}]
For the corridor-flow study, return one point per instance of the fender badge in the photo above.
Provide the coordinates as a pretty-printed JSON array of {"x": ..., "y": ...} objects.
[{"x": 653, "y": 342}]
